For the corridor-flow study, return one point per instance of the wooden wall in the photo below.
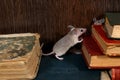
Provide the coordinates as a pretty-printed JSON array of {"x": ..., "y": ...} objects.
[{"x": 51, "y": 17}]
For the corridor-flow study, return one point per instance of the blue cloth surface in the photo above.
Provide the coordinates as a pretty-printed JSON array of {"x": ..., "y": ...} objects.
[{"x": 73, "y": 67}]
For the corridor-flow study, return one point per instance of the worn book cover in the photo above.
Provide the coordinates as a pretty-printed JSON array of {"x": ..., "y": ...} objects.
[
  {"x": 112, "y": 25},
  {"x": 20, "y": 55},
  {"x": 109, "y": 47},
  {"x": 94, "y": 56}
]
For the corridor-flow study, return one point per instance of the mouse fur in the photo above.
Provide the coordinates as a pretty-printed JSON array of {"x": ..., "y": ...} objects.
[{"x": 68, "y": 41}]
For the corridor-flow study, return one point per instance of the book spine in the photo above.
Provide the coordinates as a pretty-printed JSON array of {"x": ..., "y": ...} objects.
[{"x": 115, "y": 73}]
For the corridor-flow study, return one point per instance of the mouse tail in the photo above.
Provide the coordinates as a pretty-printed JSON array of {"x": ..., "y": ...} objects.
[{"x": 48, "y": 54}]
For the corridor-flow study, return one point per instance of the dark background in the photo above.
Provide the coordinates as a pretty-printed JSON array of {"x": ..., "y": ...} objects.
[{"x": 51, "y": 17}]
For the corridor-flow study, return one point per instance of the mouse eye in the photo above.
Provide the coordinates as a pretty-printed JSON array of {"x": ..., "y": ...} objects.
[{"x": 81, "y": 30}]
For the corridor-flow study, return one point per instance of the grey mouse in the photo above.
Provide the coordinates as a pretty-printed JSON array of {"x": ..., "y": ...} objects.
[{"x": 69, "y": 40}]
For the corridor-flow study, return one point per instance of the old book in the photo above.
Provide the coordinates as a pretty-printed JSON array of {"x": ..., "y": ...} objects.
[
  {"x": 24, "y": 69},
  {"x": 108, "y": 46},
  {"x": 21, "y": 63},
  {"x": 21, "y": 56},
  {"x": 115, "y": 73},
  {"x": 24, "y": 56},
  {"x": 112, "y": 25},
  {"x": 29, "y": 73},
  {"x": 94, "y": 57}
]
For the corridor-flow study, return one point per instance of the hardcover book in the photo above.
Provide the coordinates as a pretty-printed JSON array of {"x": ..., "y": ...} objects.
[
  {"x": 112, "y": 25},
  {"x": 109, "y": 47},
  {"x": 115, "y": 73},
  {"x": 95, "y": 58},
  {"x": 20, "y": 56}
]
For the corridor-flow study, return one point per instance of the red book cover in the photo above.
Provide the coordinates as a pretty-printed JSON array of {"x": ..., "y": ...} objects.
[
  {"x": 92, "y": 46},
  {"x": 103, "y": 35},
  {"x": 115, "y": 73},
  {"x": 109, "y": 47},
  {"x": 95, "y": 58}
]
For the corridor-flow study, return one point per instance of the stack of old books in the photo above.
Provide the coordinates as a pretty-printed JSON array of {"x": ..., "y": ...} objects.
[
  {"x": 19, "y": 56},
  {"x": 101, "y": 49}
]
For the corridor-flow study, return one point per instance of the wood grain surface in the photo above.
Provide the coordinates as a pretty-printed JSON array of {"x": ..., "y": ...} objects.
[{"x": 51, "y": 17}]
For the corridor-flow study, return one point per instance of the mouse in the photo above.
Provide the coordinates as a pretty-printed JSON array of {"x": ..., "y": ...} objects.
[
  {"x": 98, "y": 22},
  {"x": 66, "y": 42}
]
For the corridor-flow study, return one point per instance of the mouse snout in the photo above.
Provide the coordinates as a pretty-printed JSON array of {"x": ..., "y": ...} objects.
[
  {"x": 82, "y": 33},
  {"x": 85, "y": 29}
]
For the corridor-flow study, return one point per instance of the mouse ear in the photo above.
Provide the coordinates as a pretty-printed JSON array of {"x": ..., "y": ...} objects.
[
  {"x": 71, "y": 27},
  {"x": 75, "y": 31}
]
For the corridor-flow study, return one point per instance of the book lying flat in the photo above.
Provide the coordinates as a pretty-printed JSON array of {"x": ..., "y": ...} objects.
[
  {"x": 109, "y": 47},
  {"x": 20, "y": 55},
  {"x": 112, "y": 25},
  {"x": 94, "y": 56}
]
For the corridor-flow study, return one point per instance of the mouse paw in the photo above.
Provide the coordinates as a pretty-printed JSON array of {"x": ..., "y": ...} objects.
[
  {"x": 77, "y": 52},
  {"x": 80, "y": 40},
  {"x": 59, "y": 57}
]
